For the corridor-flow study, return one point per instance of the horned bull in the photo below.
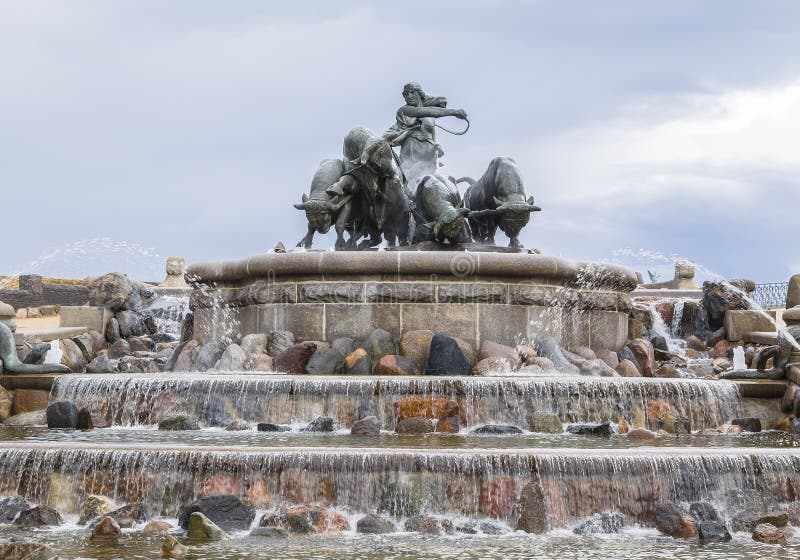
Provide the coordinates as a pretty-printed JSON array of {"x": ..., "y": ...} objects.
[
  {"x": 440, "y": 213},
  {"x": 322, "y": 208},
  {"x": 497, "y": 199}
]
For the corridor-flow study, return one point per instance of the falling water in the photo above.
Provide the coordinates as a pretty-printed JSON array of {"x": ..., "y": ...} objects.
[
  {"x": 218, "y": 399},
  {"x": 54, "y": 354}
]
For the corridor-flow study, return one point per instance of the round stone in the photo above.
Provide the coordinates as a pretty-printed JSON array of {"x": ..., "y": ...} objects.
[
  {"x": 792, "y": 316},
  {"x": 6, "y": 312}
]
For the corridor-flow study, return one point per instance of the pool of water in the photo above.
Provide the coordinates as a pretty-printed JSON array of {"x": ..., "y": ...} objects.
[
  {"x": 634, "y": 544},
  {"x": 216, "y": 437}
]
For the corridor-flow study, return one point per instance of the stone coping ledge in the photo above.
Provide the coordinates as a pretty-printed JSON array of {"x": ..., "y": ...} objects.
[{"x": 397, "y": 264}]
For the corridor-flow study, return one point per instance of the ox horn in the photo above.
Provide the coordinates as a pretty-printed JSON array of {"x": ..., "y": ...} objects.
[{"x": 300, "y": 206}]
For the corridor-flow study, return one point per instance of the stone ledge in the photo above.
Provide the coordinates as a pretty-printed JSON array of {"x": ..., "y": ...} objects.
[{"x": 396, "y": 264}]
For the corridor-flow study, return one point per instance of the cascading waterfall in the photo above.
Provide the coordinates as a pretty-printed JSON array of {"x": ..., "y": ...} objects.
[
  {"x": 218, "y": 399},
  {"x": 465, "y": 483}
]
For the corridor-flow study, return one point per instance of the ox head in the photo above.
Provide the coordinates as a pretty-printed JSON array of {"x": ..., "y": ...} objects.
[
  {"x": 377, "y": 157},
  {"x": 319, "y": 213},
  {"x": 450, "y": 224},
  {"x": 512, "y": 215}
]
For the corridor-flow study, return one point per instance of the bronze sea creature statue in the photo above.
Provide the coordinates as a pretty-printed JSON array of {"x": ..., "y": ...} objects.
[
  {"x": 11, "y": 363},
  {"x": 780, "y": 354}
]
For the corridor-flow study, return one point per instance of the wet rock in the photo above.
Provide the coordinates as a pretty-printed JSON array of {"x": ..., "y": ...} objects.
[
  {"x": 306, "y": 520},
  {"x": 171, "y": 548},
  {"x": 545, "y": 363},
  {"x": 225, "y": 510},
  {"x": 526, "y": 353},
  {"x": 497, "y": 430},
  {"x": 112, "y": 333},
  {"x": 102, "y": 364},
  {"x": 696, "y": 344},
  {"x": 357, "y": 363},
  {"x": 721, "y": 349},
  {"x": 597, "y": 368},
  {"x": 392, "y": 364},
  {"x": 279, "y": 341},
  {"x": 17, "y": 550},
  {"x": 415, "y": 345},
  {"x": 598, "y": 430},
  {"x": 232, "y": 359},
  {"x": 33, "y": 418},
  {"x": 11, "y": 506},
  {"x": 129, "y": 515},
  {"x": 369, "y": 426},
  {"x": 95, "y": 506},
  {"x": 294, "y": 358},
  {"x": 201, "y": 528},
  {"x": 186, "y": 356},
  {"x": 6, "y": 404},
  {"x": 489, "y": 349},
  {"x": 703, "y": 511},
  {"x": 645, "y": 355},
  {"x": 641, "y": 434},
  {"x": 320, "y": 424},
  {"x": 768, "y": 533},
  {"x": 325, "y": 361},
  {"x": 269, "y": 532},
  {"x": 260, "y": 362},
  {"x": 790, "y": 396},
  {"x": 72, "y": 356},
  {"x": 417, "y": 405},
  {"x": 446, "y": 357},
  {"x": 372, "y": 524},
  {"x": 28, "y": 400},
  {"x": 545, "y": 423},
  {"x": 178, "y": 422},
  {"x": 584, "y": 352},
  {"x": 712, "y": 531},
  {"x": 267, "y": 427},
  {"x": 400, "y": 500},
  {"x": 659, "y": 343},
  {"x": 140, "y": 344},
  {"x": 156, "y": 527},
  {"x": 626, "y": 353},
  {"x": 609, "y": 357},
  {"x": 111, "y": 291},
  {"x": 602, "y": 523},
  {"x": 414, "y": 425},
  {"x": 718, "y": 297},
  {"x": 424, "y": 524},
  {"x": 62, "y": 414},
  {"x": 672, "y": 520},
  {"x": 208, "y": 355},
  {"x": 450, "y": 420},
  {"x": 254, "y": 344},
  {"x": 748, "y": 424},
  {"x": 669, "y": 371},
  {"x": 237, "y": 426},
  {"x": 491, "y": 366},
  {"x": 344, "y": 345},
  {"x": 533, "y": 517},
  {"x": 378, "y": 344},
  {"x": 106, "y": 531},
  {"x": 38, "y": 516},
  {"x": 119, "y": 349},
  {"x": 130, "y": 324}
]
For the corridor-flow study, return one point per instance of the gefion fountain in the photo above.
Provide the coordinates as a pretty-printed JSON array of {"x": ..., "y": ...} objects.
[{"x": 438, "y": 397}]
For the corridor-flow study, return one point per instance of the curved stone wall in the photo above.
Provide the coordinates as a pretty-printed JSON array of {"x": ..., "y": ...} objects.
[{"x": 504, "y": 297}]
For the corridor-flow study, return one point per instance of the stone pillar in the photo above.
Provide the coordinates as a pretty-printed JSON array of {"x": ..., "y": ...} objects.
[
  {"x": 793, "y": 295},
  {"x": 32, "y": 283},
  {"x": 176, "y": 268}
]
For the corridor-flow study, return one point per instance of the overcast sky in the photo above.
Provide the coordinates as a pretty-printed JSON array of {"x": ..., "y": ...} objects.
[{"x": 134, "y": 130}]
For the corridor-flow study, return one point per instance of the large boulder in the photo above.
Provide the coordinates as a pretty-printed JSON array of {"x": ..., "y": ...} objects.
[
  {"x": 72, "y": 356},
  {"x": 428, "y": 525},
  {"x": 446, "y": 357},
  {"x": 768, "y": 533},
  {"x": 489, "y": 349},
  {"x": 601, "y": 523},
  {"x": 672, "y": 520},
  {"x": 18, "y": 550},
  {"x": 325, "y": 361},
  {"x": 156, "y": 527},
  {"x": 415, "y": 346},
  {"x": 130, "y": 324},
  {"x": 225, "y": 510},
  {"x": 599, "y": 430},
  {"x": 719, "y": 297},
  {"x": 62, "y": 414},
  {"x": 367, "y": 426},
  {"x": 645, "y": 355},
  {"x": 86, "y": 344},
  {"x": 597, "y": 368},
  {"x": 307, "y": 519},
  {"x": 208, "y": 355},
  {"x": 320, "y": 424},
  {"x": 712, "y": 531},
  {"x": 450, "y": 419},
  {"x": 232, "y": 359},
  {"x": 171, "y": 548},
  {"x": 497, "y": 430},
  {"x": 95, "y": 506},
  {"x": 295, "y": 358},
  {"x": 378, "y": 344},
  {"x": 178, "y": 422},
  {"x": 414, "y": 425},
  {"x": 200, "y": 528},
  {"x": 545, "y": 422},
  {"x": 10, "y": 507},
  {"x": 106, "y": 531},
  {"x": 118, "y": 349},
  {"x": 392, "y": 364},
  {"x": 111, "y": 290},
  {"x": 357, "y": 363},
  {"x": 254, "y": 344},
  {"x": 533, "y": 515},
  {"x": 373, "y": 524},
  {"x": 129, "y": 515},
  {"x": 279, "y": 341},
  {"x": 102, "y": 364},
  {"x": 39, "y": 516}
]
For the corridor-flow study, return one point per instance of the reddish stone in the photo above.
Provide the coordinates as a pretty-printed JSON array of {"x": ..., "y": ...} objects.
[
  {"x": 220, "y": 483},
  {"x": 294, "y": 358},
  {"x": 308, "y": 519},
  {"x": 156, "y": 528},
  {"x": 392, "y": 364},
  {"x": 533, "y": 518},
  {"x": 545, "y": 363},
  {"x": 417, "y": 406},
  {"x": 721, "y": 349},
  {"x": 491, "y": 349},
  {"x": 627, "y": 368},
  {"x": 673, "y": 521},
  {"x": 526, "y": 353},
  {"x": 770, "y": 534},
  {"x": 667, "y": 311},
  {"x": 492, "y": 365},
  {"x": 608, "y": 356},
  {"x": 29, "y": 400},
  {"x": 261, "y": 362},
  {"x": 645, "y": 355},
  {"x": 498, "y": 496},
  {"x": 450, "y": 419},
  {"x": 187, "y": 357}
]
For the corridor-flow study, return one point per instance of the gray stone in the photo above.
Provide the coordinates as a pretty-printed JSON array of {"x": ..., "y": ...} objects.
[
  {"x": 201, "y": 528},
  {"x": 375, "y": 525},
  {"x": 224, "y": 510},
  {"x": 739, "y": 322},
  {"x": 368, "y": 426},
  {"x": 320, "y": 424},
  {"x": 533, "y": 512},
  {"x": 600, "y": 430},
  {"x": 344, "y": 345},
  {"x": 269, "y": 532},
  {"x": 33, "y": 418},
  {"x": 10, "y": 507},
  {"x": 112, "y": 333},
  {"x": 209, "y": 355},
  {"x": 378, "y": 344},
  {"x": 178, "y": 422},
  {"x": 748, "y": 424},
  {"x": 111, "y": 291},
  {"x": 602, "y": 523},
  {"x": 793, "y": 293},
  {"x": 497, "y": 430},
  {"x": 130, "y": 324},
  {"x": 232, "y": 359},
  {"x": 414, "y": 425},
  {"x": 279, "y": 341},
  {"x": 85, "y": 344},
  {"x": 268, "y": 427},
  {"x": 39, "y": 516},
  {"x": 119, "y": 349},
  {"x": 325, "y": 361}
]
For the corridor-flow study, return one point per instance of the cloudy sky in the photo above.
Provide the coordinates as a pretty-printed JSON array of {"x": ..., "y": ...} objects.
[{"x": 134, "y": 130}]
